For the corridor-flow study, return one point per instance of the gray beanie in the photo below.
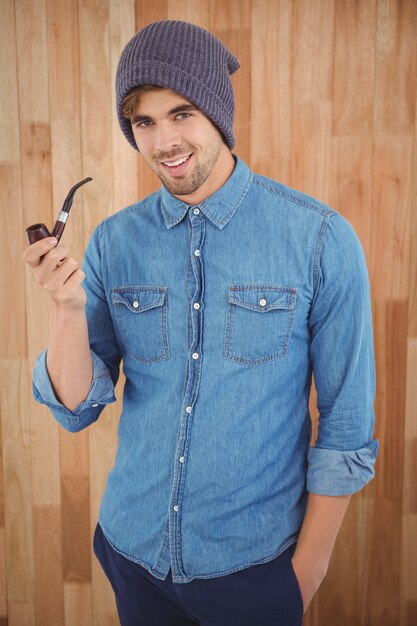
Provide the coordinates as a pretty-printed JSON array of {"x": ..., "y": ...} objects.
[{"x": 185, "y": 58}]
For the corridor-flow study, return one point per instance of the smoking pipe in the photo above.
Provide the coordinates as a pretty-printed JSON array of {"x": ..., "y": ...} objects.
[{"x": 39, "y": 231}]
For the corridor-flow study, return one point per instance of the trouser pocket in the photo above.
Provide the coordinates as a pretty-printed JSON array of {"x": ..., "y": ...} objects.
[
  {"x": 294, "y": 580},
  {"x": 103, "y": 552}
]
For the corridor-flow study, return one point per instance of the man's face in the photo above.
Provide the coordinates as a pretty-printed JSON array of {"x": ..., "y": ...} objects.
[{"x": 166, "y": 127}]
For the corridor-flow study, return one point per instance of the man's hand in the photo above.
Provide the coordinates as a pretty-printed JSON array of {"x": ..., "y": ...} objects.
[
  {"x": 321, "y": 524},
  {"x": 309, "y": 580}
]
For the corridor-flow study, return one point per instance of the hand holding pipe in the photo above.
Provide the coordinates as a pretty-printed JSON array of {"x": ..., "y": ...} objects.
[{"x": 39, "y": 231}]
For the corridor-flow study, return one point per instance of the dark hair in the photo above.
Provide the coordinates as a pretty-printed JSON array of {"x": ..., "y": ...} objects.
[{"x": 131, "y": 101}]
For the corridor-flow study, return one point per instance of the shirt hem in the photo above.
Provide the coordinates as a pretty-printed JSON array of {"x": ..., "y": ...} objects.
[{"x": 185, "y": 579}]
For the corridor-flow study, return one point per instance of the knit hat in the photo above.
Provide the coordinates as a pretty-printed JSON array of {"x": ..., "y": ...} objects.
[{"x": 185, "y": 58}]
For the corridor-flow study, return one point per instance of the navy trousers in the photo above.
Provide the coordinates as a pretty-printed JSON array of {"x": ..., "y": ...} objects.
[{"x": 261, "y": 595}]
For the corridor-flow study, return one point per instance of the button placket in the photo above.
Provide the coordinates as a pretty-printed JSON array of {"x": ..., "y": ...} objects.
[{"x": 195, "y": 290}]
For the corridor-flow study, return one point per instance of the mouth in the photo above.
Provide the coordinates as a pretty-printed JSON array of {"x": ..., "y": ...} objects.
[{"x": 181, "y": 168}]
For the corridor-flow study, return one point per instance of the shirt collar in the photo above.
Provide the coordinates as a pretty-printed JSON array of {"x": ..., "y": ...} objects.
[{"x": 219, "y": 207}]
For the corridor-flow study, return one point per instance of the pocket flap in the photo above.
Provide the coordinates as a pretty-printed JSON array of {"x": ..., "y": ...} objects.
[
  {"x": 138, "y": 298},
  {"x": 263, "y": 298}
]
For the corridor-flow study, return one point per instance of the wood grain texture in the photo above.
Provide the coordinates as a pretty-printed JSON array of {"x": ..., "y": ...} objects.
[
  {"x": 326, "y": 103},
  {"x": 396, "y": 67},
  {"x": 354, "y": 50},
  {"x": 9, "y": 110},
  {"x": 33, "y": 73},
  {"x": 12, "y": 280},
  {"x": 3, "y": 573},
  {"x": 311, "y": 90},
  {"x": 269, "y": 119},
  {"x": 15, "y": 426},
  {"x": 20, "y": 614},
  {"x": 124, "y": 160},
  {"x": 47, "y": 534},
  {"x": 78, "y": 608}
]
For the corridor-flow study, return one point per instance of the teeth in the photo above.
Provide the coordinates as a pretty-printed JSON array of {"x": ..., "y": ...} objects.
[{"x": 177, "y": 162}]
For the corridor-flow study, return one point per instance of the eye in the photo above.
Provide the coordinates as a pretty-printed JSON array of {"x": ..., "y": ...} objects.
[
  {"x": 139, "y": 124},
  {"x": 145, "y": 123}
]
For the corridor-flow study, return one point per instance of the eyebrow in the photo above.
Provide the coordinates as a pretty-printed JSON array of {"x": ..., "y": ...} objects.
[{"x": 178, "y": 109}]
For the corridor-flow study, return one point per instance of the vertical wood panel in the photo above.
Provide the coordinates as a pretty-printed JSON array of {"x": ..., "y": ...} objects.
[
  {"x": 311, "y": 88},
  {"x": 48, "y": 563},
  {"x": 409, "y": 526},
  {"x": 3, "y": 573},
  {"x": 95, "y": 110},
  {"x": 12, "y": 279},
  {"x": 124, "y": 159},
  {"x": 325, "y": 102},
  {"x": 351, "y": 188},
  {"x": 396, "y": 328},
  {"x": 76, "y": 547},
  {"x": 384, "y": 567},
  {"x": 78, "y": 609},
  {"x": 17, "y": 480},
  {"x": 33, "y": 71},
  {"x": 396, "y": 66},
  {"x": 409, "y": 517},
  {"x": 352, "y": 124},
  {"x": 269, "y": 118},
  {"x": 20, "y": 614},
  {"x": 354, "y": 51},
  {"x": 64, "y": 105},
  {"x": 9, "y": 110},
  {"x": 351, "y": 194},
  {"x": 391, "y": 215}
]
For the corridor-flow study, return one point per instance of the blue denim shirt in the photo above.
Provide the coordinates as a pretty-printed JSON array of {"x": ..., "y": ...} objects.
[{"x": 220, "y": 313}]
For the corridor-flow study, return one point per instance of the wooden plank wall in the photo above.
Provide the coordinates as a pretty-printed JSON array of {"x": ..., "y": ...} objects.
[{"x": 326, "y": 102}]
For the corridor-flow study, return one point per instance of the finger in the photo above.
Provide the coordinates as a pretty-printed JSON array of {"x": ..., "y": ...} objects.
[
  {"x": 59, "y": 275},
  {"x": 33, "y": 253},
  {"x": 71, "y": 290},
  {"x": 50, "y": 262}
]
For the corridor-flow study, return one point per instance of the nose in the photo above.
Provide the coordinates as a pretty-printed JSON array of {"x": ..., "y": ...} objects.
[{"x": 166, "y": 137}]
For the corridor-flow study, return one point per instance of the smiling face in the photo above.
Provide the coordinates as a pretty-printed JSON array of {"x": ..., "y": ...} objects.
[{"x": 167, "y": 128}]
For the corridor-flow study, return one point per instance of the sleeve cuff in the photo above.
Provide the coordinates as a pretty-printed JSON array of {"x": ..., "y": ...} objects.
[
  {"x": 340, "y": 472},
  {"x": 101, "y": 393}
]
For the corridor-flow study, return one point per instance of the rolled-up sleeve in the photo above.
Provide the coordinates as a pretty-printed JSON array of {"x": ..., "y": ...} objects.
[
  {"x": 101, "y": 393},
  {"x": 342, "y": 357},
  {"x": 104, "y": 349}
]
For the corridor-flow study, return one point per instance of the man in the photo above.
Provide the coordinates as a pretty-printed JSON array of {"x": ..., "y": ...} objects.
[{"x": 222, "y": 292}]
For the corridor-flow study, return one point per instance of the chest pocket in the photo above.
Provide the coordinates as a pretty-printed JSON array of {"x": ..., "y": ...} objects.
[
  {"x": 259, "y": 322},
  {"x": 141, "y": 315}
]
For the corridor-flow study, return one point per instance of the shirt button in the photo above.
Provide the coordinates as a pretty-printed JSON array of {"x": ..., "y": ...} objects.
[
  {"x": 262, "y": 301},
  {"x": 197, "y": 252},
  {"x": 181, "y": 459},
  {"x": 196, "y": 211},
  {"x": 196, "y": 305},
  {"x": 95, "y": 404},
  {"x": 136, "y": 304},
  {"x": 189, "y": 409},
  {"x": 195, "y": 355},
  {"x": 176, "y": 507}
]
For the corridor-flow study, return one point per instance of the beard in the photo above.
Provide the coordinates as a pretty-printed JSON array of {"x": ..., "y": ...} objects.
[{"x": 193, "y": 178}]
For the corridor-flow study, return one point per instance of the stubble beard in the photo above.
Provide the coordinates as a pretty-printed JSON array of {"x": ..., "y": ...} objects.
[{"x": 199, "y": 173}]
